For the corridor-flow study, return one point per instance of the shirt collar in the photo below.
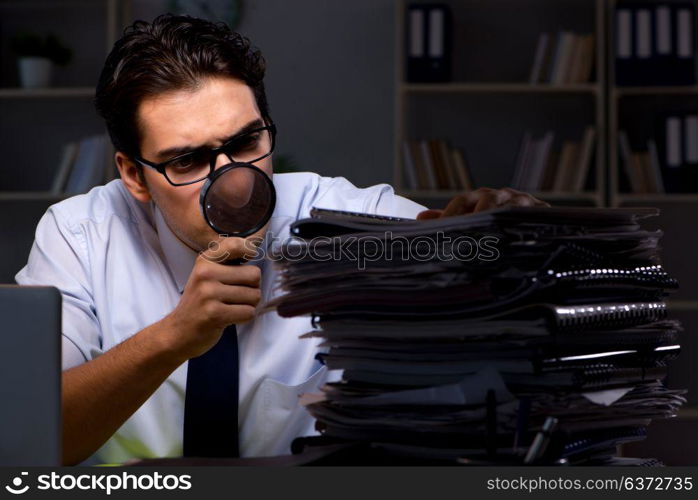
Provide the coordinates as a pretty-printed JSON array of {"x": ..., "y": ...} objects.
[{"x": 179, "y": 257}]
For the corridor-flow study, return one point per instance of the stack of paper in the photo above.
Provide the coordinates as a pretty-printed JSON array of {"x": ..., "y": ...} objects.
[{"x": 518, "y": 335}]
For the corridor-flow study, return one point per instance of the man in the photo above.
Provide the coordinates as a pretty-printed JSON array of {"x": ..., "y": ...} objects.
[{"x": 143, "y": 292}]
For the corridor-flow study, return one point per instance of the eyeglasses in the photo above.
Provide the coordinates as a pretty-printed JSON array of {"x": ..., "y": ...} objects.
[{"x": 197, "y": 165}]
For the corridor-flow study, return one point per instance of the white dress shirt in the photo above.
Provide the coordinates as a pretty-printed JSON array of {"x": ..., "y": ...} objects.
[{"x": 120, "y": 268}]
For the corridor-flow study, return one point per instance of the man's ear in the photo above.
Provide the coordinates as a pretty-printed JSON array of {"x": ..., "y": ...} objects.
[{"x": 132, "y": 177}]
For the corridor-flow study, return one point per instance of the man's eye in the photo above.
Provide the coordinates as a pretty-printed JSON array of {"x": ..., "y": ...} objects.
[
  {"x": 183, "y": 163},
  {"x": 246, "y": 142},
  {"x": 191, "y": 161}
]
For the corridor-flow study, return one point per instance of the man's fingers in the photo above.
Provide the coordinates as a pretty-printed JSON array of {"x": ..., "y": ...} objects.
[
  {"x": 228, "y": 314},
  {"x": 483, "y": 199},
  {"x": 233, "y": 294},
  {"x": 522, "y": 201},
  {"x": 229, "y": 274},
  {"x": 492, "y": 199},
  {"x": 429, "y": 214},
  {"x": 243, "y": 275},
  {"x": 229, "y": 248},
  {"x": 461, "y": 204},
  {"x": 521, "y": 198}
]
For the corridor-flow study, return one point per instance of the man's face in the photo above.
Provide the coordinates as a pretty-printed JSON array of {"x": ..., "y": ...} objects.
[{"x": 185, "y": 120}]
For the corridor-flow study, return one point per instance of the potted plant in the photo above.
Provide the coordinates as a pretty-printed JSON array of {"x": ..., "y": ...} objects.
[
  {"x": 284, "y": 164},
  {"x": 36, "y": 57}
]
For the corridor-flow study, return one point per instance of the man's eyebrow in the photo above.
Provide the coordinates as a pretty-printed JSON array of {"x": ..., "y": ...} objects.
[
  {"x": 254, "y": 124},
  {"x": 165, "y": 154}
]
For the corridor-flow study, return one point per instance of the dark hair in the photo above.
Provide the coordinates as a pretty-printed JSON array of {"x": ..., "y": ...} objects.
[{"x": 171, "y": 53}]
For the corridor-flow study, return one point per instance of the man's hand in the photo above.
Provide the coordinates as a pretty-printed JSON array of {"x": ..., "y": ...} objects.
[
  {"x": 217, "y": 294},
  {"x": 100, "y": 395},
  {"x": 483, "y": 199}
]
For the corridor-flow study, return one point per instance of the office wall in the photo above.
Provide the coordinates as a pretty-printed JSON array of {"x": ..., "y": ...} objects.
[
  {"x": 330, "y": 80},
  {"x": 330, "y": 84}
]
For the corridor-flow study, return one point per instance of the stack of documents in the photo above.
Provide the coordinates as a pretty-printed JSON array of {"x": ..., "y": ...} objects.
[{"x": 517, "y": 335}]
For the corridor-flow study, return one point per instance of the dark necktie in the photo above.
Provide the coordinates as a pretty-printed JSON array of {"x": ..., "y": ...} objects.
[{"x": 211, "y": 401}]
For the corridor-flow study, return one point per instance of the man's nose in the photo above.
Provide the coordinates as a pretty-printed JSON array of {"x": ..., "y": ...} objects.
[{"x": 220, "y": 160}]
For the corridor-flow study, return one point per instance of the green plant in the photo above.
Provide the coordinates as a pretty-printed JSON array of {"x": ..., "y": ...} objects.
[
  {"x": 49, "y": 47},
  {"x": 285, "y": 163}
]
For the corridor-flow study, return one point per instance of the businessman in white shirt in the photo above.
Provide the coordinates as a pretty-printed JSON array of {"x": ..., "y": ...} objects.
[{"x": 142, "y": 294}]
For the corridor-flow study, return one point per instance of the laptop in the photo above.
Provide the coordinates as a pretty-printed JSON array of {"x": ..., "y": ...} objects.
[{"x": 30, "y": 376}]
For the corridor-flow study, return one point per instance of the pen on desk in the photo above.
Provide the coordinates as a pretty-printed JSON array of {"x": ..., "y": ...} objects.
[
  {"x": 521, "y": 421},
  {"x": 540, "y": 442},
  {"x": 491, "y": 424}
]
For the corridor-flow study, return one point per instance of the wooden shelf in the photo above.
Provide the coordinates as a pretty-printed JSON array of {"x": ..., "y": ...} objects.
[
  {"x": 546, "y": 195},
  {"x": 682, "y": 305},
  {"x": 688, "y": 413},
  {"x": 505, "y": 88},
  {"x": 19, "y": 93},
  {"x": 499, "y": 88},
  {"x": 656, "y": 90},
  {"x": 656, "y": 198},
  {"x": 31, "y": 196},
  {"x": 43, "y": 4}
]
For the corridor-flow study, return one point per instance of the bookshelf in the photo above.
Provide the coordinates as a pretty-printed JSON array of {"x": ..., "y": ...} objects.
[
  {"x": 31, "y": 196},
  {"x": 53, "y": 116},
  {"x": 491, "y": 87},
  {"x": 503, "y": 101},
  {"x": 627, "y": 103},
  {"x": 668, "y": 90},
  {"x": 19, "y": 93},
  {"x": 35, "y": 124},
  {"x": 503, "y": 88},
  {"x": 634, "y": 109},
  {"x": 590, "y": 198}
]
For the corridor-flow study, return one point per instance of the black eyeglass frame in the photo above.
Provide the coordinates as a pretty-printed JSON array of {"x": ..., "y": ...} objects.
[{"x": 213, "y": 152}]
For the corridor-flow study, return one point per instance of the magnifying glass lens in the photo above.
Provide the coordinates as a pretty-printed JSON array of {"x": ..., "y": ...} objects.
[{"x": 238, "y": 199}]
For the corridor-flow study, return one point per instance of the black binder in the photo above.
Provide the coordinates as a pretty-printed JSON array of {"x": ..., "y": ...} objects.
[
  {"x": 428, "y": 43},
  {"x": 681, "y": 177},
  {"x": 673, "y": 64}
]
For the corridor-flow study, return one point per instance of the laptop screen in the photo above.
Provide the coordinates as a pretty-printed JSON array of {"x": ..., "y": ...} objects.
[{"x": 30, "y": 375}]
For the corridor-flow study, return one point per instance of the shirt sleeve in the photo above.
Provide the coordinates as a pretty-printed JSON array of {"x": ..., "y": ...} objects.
[
  {"x": 394, "y": 205},
  {"x": 59, "y": 258},
  {"x": 379, "y": 199}
]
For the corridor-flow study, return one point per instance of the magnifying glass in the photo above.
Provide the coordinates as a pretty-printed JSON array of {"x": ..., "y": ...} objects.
[{"x": 238, "y": 199}]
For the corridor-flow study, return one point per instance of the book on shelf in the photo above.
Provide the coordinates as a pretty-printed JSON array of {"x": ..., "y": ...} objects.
[
  {"x": 641, "y": 168},
  {"x": 534, "y": 176},
  {"x": 655, "y": 166},
  {"x": 563, "y": 58},
  {"x": 443, "y": 180},
  {"x": 522, "y": 157},
  {"x": 540, "y": 168},
  {"x": 435, "y": 166},
  {"x": 428, "y": 43},
  {"x": 411, "y": 179},
  {"x": 565, "y": 166},
  {"x": 654, "y": 43},
  {"x": 68, "y": 156},
  {"x": 584, "y": 160},
  {"x": 462, "y": 171},
  {"x": 676, "y": 144},
  {"x": 83, "y": 165},
  {"x": 428, "y": 163}
]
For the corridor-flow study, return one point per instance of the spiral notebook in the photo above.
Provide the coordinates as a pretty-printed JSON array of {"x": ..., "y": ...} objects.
[
  {"x": 569, "y": 321},
  {"x": 328, "y": 222}
]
